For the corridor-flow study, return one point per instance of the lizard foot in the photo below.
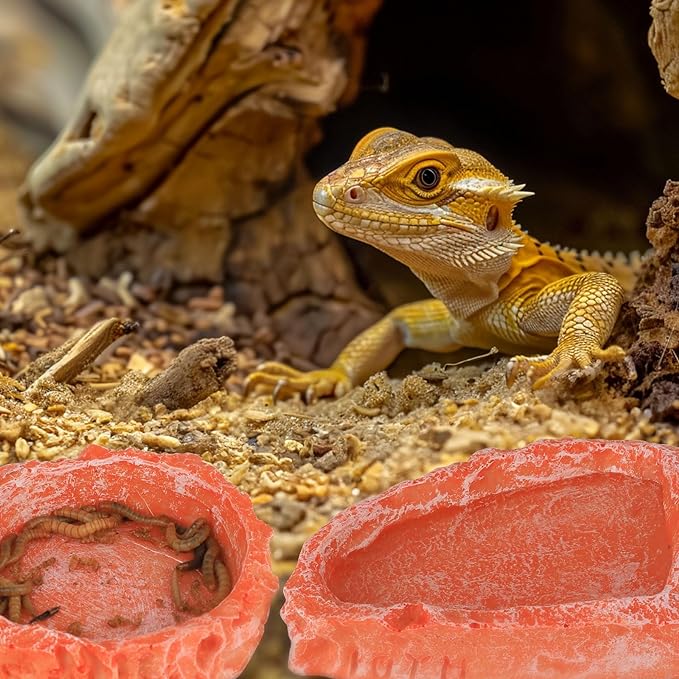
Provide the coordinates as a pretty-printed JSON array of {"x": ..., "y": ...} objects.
[
  {"x": 573, "y": 363},
  {"x": 282, "y": 381}
]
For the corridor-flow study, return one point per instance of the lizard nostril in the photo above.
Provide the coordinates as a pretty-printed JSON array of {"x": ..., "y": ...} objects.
[{"x": 354, "y": 195}]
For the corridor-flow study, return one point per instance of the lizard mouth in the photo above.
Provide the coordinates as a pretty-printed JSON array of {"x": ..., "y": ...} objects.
[{"x": 376, "y": 219}]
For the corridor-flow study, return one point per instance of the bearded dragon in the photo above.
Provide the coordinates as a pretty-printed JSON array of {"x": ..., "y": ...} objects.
[{"x": 446, "y": 213}]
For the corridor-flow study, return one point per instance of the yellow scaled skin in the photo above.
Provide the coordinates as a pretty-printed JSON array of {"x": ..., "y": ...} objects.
[{"x": 447, "y": 214}]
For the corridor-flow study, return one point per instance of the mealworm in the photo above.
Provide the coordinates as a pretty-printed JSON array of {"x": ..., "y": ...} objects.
[
  {"x": 223, "y": 581},
  {"x": 36, "y": 521},
  {"x": 45, "y": 615},
  {"x": 91, "y": 509},
  {"x": 6, "y": 549},
  {"x": 77, "y": 514},
  {"x": 176, "y": 593},
  {"x": 208, "y": 567},
  {"x": 123, "y": 510},
  {"x": 21, "y": 540},
  {"x": 28, "y": 604},
  {"x": 14, "y": 612},
  {"x": 52, "y": 525},
  {"x": 189, "y": 531},
  {"x": 97, "y": 525},
  {"x": 61, "y": 528},
  {"x": 199, "y": 535},
  {"x": 9, "y": 588},
  {"x": 196, "y": 561},
  {"x": 78, "y": 532}
]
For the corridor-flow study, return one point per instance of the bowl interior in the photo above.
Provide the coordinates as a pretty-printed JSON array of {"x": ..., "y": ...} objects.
[
  {"x": 592, "y": 537},
  {"x": 110, "y": 590},
  {"x": 119, "y": 585}
]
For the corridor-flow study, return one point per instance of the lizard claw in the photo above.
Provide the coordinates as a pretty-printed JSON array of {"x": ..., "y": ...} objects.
[
  {"x": 276, "y": 391},
  {"x": 572, "y": 363},
  {"x": 310, "y": 394},
  {"x": 282, "y": 381}
]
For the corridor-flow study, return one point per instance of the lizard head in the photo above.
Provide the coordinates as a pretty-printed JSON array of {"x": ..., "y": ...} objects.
[{"x": 424, "y": 202}]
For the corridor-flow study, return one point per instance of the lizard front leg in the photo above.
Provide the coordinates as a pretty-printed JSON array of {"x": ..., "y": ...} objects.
[
  {"x": 582, "y": 310},
  {"x": 419, "y": 325}
]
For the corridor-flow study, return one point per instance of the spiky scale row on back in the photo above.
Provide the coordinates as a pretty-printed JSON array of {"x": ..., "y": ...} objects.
[{"x": 625, "y": 267}]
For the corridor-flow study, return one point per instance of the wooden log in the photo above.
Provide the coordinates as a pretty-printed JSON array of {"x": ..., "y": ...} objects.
[{"x": 185, "y": 157}]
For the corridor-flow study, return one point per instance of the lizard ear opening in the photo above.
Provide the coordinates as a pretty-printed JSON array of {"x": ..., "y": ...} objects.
[{"x": 492, "y": 218}]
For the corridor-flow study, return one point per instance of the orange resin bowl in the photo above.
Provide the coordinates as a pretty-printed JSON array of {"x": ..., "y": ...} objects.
[
  {"x": 559, "y": 560},
  {"x": 117, "y": 617}
]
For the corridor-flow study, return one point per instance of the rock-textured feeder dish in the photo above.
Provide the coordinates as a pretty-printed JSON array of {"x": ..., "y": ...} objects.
[
  {"x": 117, "y": 593},
  {"x": 557, "y": 560}
]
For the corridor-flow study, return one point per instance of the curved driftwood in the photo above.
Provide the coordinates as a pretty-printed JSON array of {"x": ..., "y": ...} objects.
[{"x": 185, "y": 156}]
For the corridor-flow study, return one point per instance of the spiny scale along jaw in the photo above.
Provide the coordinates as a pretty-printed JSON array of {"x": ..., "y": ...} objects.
[{"x": 424, "y": 202}]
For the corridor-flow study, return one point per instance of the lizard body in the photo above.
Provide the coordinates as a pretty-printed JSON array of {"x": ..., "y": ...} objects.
[{"x": 446, "y": 213}]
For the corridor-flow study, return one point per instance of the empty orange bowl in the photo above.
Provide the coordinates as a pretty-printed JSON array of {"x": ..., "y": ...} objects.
[
  {"x": 557, "y": 560},
  {"x": 116, "y": 615}
]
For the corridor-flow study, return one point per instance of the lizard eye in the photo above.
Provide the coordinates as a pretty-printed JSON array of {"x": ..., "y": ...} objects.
[
  {"x": 492, "y": 218},
  {"x": 428, "y": 178}
]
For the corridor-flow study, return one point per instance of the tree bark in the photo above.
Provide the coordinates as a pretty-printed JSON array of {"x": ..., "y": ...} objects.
[{"x": 185, "y": 158}]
